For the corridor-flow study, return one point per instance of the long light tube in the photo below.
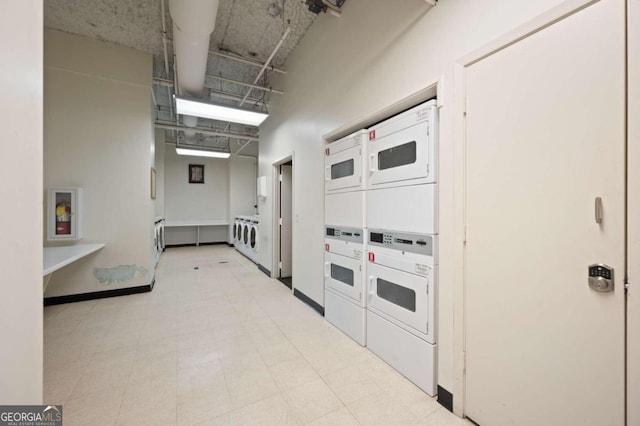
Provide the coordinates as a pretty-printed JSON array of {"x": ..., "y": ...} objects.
[
  {"x": 218, "y": 112},
  {"x": 201, "y": 153}
]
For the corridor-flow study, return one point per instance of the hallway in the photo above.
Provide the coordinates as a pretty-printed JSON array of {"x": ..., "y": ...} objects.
[{"x": 221, "y": 344}]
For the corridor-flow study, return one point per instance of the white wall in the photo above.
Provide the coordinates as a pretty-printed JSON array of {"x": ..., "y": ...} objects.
[
  {"x": 159, "y": 166},
  {"x": 386, "y": 53},
  {"x": 98, "y": 136},
  {"x": 194, "y": 201},
  {"x": 21, "y": 187}
]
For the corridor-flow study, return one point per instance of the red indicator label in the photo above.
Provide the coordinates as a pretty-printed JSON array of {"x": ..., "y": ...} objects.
[
  {"x": 372, "y": 135},
  {"x": 326, "y": 151},
  {"x": 326, "y": 247},
  {"x": 372, "y": 257}
]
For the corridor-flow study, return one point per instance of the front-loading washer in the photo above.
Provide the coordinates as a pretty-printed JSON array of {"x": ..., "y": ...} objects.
[
  {"x": 402, "y": 275},
  {"x": 253, "y": 235},
  {"x": 236, "y": 231},
  {"x": 344, "y": 280}
]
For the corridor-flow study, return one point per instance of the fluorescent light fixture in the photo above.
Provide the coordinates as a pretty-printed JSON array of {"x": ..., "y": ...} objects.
[
  {"x": 213, "y": 111},
  {"x": 198, "y": 152}
]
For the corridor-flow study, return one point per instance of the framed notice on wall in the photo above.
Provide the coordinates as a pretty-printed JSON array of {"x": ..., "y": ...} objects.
[{"x": 196, "y": 173}]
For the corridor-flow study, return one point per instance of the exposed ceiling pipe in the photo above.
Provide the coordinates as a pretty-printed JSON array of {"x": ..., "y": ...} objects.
[
  {"x": 266, "y": 64},
  {"x": 242, "y": 83},
  {"x": 242, "y": 147},
  {"x": 162, "y": 82},
  {"x": 245, "y": 61},
  {"x": 209, "y": 132},
  {"x": 264, "y": 67},
  {"x": 231, "y": 96},
  {"x": 212, "y": 92},
  {"x": 166, "y": 57},
  {"x": 193, "y": 23}
]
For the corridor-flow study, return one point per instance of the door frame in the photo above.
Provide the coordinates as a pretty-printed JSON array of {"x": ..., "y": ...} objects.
[
  {"x": 633, "y": 210},
  {"x": 529, "y": 28},
  {"x": 275, "y": 258}
]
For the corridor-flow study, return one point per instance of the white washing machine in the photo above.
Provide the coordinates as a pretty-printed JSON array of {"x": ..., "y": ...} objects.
[
  {"x": 402, "y": 276},
  {"x": 238, "y": 240},
  {"x": 248, "y": 229},
  {"x": 402, "y": 172},
  {"x": 344, "y": 280},
  {"x": 254, "y": 237},
  {"x": 236, "y": 231}
]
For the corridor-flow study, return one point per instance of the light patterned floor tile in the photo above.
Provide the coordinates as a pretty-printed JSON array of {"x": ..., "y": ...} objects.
[
  {"x": 341, "y": 417},
  {"x": 293, "y": 373},
  {"x": 223, "y": 345},
  {"x": 312, "y": 401}
]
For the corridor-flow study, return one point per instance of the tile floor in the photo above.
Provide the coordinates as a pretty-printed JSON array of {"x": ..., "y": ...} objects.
[{"x": 221, "y": 345}]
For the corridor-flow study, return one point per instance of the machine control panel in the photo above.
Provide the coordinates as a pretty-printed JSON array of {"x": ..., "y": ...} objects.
[
  {"x": 353, "y": 235},
  {"x": 601, "y": 278},
  {"x": 403, "y": 241}
]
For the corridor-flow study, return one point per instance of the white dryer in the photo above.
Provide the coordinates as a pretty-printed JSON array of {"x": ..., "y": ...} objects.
[
  {"x": 402, "y": 172},
  {"x": 402, "y": 276},
  {"x": 403, "y": 149},
  {"x": 344, "y": 280},
  {"x": 344, "y": 166},
  {"x": 345, "y": 180}
]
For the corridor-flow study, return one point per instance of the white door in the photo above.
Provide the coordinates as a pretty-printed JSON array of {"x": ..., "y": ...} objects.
[
  {"x": 343, "y": 168},
  {"x": 286, "y": 222},
  {"x": 544, "y": 137},
  {"x": 400, "y": 295},
  {"x": 343, "y": 274}
]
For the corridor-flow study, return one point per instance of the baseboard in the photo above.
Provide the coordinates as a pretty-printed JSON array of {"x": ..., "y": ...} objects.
[
  {"x": 264, "y": 270},
  {"x": 195, "y": 245},
  {"x": 309, "y": 301},
  {"x": 445, "y": 398},
  {"x": 285, "y": 282},
  {"x": 230, "y": 245},
  {"x": 59, "y": 300}
]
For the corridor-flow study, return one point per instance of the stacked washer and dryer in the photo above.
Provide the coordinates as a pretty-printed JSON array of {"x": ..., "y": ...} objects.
[
  {"x": 245, "y": 236},
  {"x": 345, "y": 235},
  {"x": 398, "y": 174}
]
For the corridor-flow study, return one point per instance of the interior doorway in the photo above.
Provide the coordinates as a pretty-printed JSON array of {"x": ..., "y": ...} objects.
[{"x": 284, "y": 222}]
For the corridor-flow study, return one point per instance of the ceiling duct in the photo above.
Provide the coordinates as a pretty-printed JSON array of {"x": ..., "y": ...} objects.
[{"x": 193, "y": 23}]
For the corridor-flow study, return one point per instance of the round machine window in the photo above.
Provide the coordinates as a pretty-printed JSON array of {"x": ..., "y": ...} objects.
[
  {"x": 246, "y": 235},
  {"x": 253, "y": 237}
]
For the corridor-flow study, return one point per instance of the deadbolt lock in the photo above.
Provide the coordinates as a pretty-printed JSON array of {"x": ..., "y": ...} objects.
[{"x": 601, "y": 278}]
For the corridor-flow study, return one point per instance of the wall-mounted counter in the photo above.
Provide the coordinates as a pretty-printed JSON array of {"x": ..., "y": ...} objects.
[{"x": 59, "y": 257}]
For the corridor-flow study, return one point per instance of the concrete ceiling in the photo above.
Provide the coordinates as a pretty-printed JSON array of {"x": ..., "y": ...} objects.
[{"x": 246, "y": 28}]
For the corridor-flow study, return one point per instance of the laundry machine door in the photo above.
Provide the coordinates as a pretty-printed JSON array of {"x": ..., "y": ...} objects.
[
  {"x": 343, "y": 274},
  {"x": 253, "y": 238},
  {"x": 403, "y": 151},
  {"x": 403, "y": 297},
  {"x": 245, "y": 234},
  {"x": 343, "y": 169}
]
